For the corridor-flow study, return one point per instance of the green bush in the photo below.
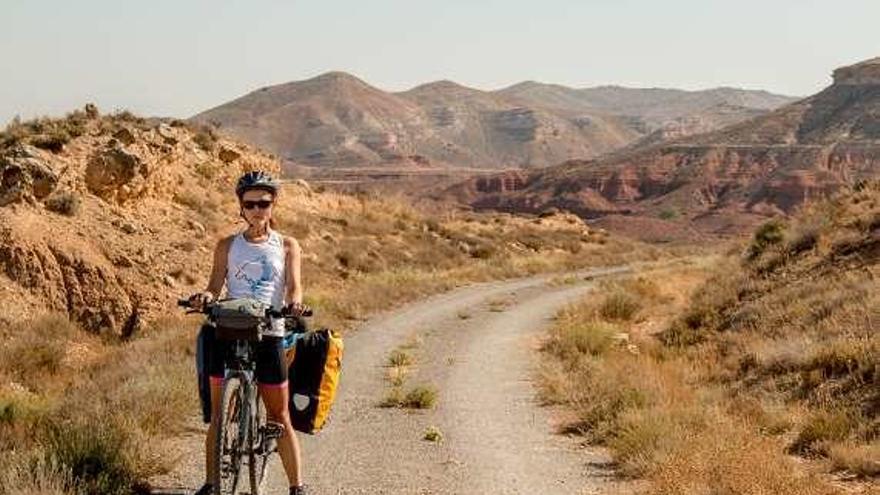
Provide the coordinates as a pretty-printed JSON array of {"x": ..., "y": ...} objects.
[
  {"x": 668, "y": 214},
  {"x": 97, "y": 457},
  {"x": 769, "y": 234}
]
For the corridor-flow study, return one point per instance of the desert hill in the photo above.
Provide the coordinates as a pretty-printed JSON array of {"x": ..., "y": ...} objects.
[
  {"x": 337, "y": 120},
  {"x": 721, "y": 181},
  {"x": 108, "y": 219}
]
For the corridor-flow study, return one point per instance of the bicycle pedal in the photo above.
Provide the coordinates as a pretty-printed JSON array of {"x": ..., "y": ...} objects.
[{"x": 273, "y": 430}]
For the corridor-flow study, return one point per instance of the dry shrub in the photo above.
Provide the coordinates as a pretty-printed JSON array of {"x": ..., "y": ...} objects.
[
  {"x": 772, "y": 419},
  {"x": 149, "y": 381},
  {"x": 95, "y": 457},
  {"x": 574, "y": 338},
  {"x": 730, "y": 458},
  {"x": 418, "y": 397},
  {"x": 821, "y": 429},
  {"x": 27, "y": 473},
  {"x": 767, "y": 235},
  {"x": 859, "y": 459},
  {"x": 206, "y": 138},
  {"x": 602, "y": 391},
  {"x": 399, "y": 357},
  {"x": 644, "y": 438},
  {"x": 65, "y": 203},
  {"x": 707, "y": 309},
  {"x": 620, "y": 305},
  {"x": 554, "y": 381},
  {"x": 37, "y": 349}
]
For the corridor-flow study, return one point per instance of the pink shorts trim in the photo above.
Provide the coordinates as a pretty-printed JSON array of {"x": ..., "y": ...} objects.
[
  {"x": 216, "y": 380},
  {"x": 273, "y": 385}
]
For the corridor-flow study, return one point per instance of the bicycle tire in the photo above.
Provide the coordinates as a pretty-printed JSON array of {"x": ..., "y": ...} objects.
[
  {"x": 227, "y": 440},
  {"x": 258, "y": 461}
]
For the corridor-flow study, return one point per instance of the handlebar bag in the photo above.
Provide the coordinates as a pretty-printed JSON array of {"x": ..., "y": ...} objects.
[{"x": 239, "y": 319}]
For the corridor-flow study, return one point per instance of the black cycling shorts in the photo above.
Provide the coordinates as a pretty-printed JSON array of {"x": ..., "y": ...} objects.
[{"x": 269, "y": 356}]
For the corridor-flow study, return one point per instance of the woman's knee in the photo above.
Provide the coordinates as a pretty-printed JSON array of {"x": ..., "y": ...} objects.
[{"x": 278, "y": 414}]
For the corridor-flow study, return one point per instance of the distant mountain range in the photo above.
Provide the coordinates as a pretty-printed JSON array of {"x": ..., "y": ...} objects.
[
  {"x": 719, "y": 182},
  {"x": 338, "y": 120}
]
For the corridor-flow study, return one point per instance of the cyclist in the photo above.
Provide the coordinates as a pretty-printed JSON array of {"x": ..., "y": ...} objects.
[{"x": 258, "y": 263}]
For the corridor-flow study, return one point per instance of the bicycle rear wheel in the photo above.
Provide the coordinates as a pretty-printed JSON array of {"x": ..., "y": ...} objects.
[{"x": 228, "y": 451}]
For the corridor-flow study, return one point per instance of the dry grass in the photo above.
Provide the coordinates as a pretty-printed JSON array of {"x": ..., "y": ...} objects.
[
  {"x": 859, "y": 459},
  {"x": 775, "y": 355},
  {"x": 666, "y": 407},
  {"x": 136, "y": 389}
]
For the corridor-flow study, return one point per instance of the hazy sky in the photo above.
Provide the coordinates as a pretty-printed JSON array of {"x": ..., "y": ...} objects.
[{"x": 176, "y": 58}]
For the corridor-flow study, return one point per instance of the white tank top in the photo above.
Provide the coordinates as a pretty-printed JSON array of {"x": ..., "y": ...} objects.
[{"x": 256, "y": 270}]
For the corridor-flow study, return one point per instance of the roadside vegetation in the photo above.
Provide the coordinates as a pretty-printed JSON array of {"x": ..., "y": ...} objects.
[{"x": 758, "y": 375}]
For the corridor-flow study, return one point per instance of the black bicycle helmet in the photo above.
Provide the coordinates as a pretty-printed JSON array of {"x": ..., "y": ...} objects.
[{"x": 256, "y": 179}]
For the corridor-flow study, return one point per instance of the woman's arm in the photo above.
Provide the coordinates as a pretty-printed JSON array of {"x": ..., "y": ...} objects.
[
  {"x": 218, "y": 271},
  {"x": 293, "y": 292}
]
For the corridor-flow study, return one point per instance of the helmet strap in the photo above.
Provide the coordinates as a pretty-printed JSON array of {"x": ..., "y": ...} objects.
[{"x": 250, "y": 225}]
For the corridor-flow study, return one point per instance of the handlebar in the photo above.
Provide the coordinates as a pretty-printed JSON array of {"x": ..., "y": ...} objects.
[{"x": 274, "y": 313}]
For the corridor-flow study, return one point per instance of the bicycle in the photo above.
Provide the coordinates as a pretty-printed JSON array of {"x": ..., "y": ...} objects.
[{"x": 243, "y": 431}]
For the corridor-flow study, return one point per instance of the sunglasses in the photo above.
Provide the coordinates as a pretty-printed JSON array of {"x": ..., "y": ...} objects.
[{"x": 261, "y": 204}]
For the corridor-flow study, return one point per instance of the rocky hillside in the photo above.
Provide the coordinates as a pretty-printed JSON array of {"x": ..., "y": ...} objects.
[
  {"x": 336, "y": 120},
  {"x": 96, "y": 214},
  {"x": 721, "y": 181}
]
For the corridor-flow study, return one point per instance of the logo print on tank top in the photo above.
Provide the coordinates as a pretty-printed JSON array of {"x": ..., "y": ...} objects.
[{"x": 256, "y": 273}]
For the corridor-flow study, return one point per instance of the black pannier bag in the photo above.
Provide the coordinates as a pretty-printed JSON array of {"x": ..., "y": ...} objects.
[{"x": 314, "y": 363}]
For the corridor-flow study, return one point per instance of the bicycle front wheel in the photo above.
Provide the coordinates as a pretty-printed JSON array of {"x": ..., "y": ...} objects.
[
  {"x": 230, "y": 438},
  {"x": 260, "y": 448}
]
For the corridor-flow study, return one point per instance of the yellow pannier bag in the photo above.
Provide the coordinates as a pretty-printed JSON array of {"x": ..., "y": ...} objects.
[{"x": 314, "y": 363}]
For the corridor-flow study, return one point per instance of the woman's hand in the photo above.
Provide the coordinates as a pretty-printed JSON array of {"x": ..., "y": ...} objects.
[
  {"x": 297, "y": 309},
  {"x": 198, "y": 300}
]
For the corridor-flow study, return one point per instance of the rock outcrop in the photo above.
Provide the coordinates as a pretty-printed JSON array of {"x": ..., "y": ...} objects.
[
  {"x": 25, "y": 174},
  {"x": 142, "y": 194},
  {"x": 864, "y": 73}
]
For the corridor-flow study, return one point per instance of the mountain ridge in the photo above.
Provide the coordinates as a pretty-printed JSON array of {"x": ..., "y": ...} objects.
[
  {"x": 336, "y": 119},
  {"x": 723, "y": 181}
]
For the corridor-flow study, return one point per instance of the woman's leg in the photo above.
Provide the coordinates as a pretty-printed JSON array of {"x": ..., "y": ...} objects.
[
  {"x": 216, "y": 352},
  {"x": 276, "y": 398},
  {"x": 272, "y": 377},
  {"x": 210, "y": 438}
]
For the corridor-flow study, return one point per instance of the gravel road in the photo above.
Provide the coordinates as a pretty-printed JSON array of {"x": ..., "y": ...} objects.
[{"x": 477, "y": 347}]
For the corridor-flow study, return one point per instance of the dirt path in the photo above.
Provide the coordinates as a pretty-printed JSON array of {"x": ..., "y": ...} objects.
[{"x": 476, "y": 347}]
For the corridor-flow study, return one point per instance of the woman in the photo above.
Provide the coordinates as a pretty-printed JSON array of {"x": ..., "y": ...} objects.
[{"x": 262, "y": 264}]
